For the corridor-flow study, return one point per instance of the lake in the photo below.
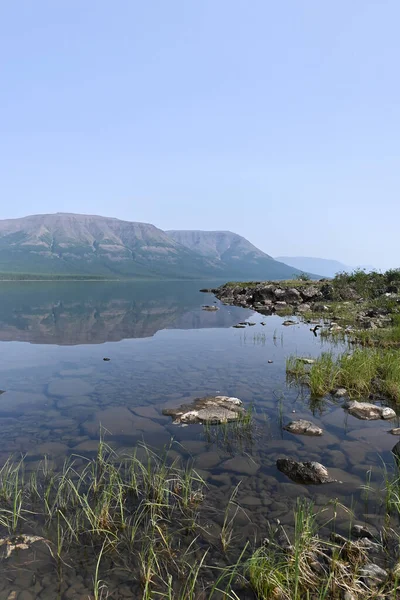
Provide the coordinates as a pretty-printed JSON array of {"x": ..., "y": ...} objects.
[{"x": 164, "y": 350}]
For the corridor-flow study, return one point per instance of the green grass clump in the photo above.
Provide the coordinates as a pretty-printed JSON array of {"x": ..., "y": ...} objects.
[
  {"x": 364, "y": 372},
  {"x": 306, "y": 566}
]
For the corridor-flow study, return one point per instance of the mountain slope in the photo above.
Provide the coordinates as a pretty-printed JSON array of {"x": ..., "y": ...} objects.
[
  {"x": 86, "y": 244},
  {"x": 324, "y": 266},
  {"x": 69, "y": 244},
  {"x": 233, "y": 254}
]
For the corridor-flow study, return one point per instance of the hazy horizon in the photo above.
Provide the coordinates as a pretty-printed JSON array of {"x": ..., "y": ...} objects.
[{"x": 281, "y": 126}]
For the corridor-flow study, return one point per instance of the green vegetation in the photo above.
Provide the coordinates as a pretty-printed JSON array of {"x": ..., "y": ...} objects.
[
  {"x": 365, "y": 371},
  {"x": 148, "y": 516}
]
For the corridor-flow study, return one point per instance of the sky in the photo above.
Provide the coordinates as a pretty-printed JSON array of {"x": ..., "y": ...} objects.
[{"x": 277, "y": 120}]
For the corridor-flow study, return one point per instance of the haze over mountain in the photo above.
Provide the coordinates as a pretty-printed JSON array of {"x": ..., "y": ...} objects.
[
  {"x": 323, "y": 266},
  {"x": 233, "y": 253},
  {"x": 66, "y": 244}
]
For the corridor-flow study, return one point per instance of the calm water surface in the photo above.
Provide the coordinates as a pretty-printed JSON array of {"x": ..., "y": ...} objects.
[{"x": 165, "y": 350}]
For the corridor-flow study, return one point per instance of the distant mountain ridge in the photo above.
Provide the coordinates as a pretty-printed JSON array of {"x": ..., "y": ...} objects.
[
  {"x": 65, "y": 244},
  {"x": 323, "y": 266}
]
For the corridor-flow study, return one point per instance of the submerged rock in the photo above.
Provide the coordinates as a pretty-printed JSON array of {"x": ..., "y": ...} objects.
[
  {"x": 290, "y": 322},
  {"x": 211, "y": 409},
  {"x": 210, "y": 308},
  {"x": 303, "y": 428},
  {"x": 395, "y": 431},
  {"x": 20, "y": 542},
  {"x": 368, "y": 411},
  {"x": 304, "y": 472}
]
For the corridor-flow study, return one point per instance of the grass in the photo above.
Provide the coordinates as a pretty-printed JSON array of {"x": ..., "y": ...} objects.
[
  {"x": 234, "y": 435},
  {"x": 365, "y": 371},
  {"x": 306, "y": 566},
  {"x": 148, "y": 517},
  {"x": 142, "y": 514}
]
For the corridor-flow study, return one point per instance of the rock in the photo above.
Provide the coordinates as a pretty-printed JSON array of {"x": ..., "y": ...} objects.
[
  {"x": 395, "y": 431},
  {"x": 48, "y": 449},
  {"x": 328, "y": 291},
  {"x": 292, "y": 295},
  {"x": 240, "y": 464},
  {"x": 251, "y": 324},
  {"x": 279, "y": 294},
  {"x": 360, "y": 531},
  {"x": 119, "y": 420},
  {"x": 15, "y": 403},
  {"x": 211, "y": 409},
  {"x": 69, "y": 387},
  {"x": 239, "y": 326},
  {"x": 306, "y": 361},
  {"x": 106, "y": 359},
  {"x": 206, "y": 290},
  {"x": 290, "y": 322},
  {"x": 20, "y": 542},
  {"x": 280, "y": 305},
  {"x": 25, "y": 595},
  {"x": 303, "y": 427},
  {"x": 373, "y": 575},
  {"x": 369, "y": 412},
  {"x": 304, "y": 472},
  {"x": 369, "y": 546},
  {"x": 210, "y": 308},
  {"x": 270, "y": 362},
  {"x": 310, "y": 292},
  {"x": 339, "y": 392}
]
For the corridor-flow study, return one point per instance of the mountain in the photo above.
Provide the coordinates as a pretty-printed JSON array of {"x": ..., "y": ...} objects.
[
  {"x": 324, "y": 266},
  {"x": 233, "y": 254},
  {"x": 83, "y": 244},
  {"x": 86, "y": 245}
]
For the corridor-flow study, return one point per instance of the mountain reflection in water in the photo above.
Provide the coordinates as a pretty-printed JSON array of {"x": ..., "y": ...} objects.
[{"x": 69, "y": 313}]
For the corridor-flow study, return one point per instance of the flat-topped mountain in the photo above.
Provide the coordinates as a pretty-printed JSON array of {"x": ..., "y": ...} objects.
[
  {"x": 85, "y": 244},
  {"x": 65, "y": 244},
  {"x": 233, "y": 253}
]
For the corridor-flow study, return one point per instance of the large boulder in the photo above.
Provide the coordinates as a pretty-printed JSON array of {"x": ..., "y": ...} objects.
[
  {"x": 310, "y": 292},
  {"x": 264, "y": 292},
  {"x": 292, "y": 295},
  {"x": 304, "y": 472},
  {"x": 368, "y": 411},
  {"x": 303, "y": 427},
  {"x": 211, "y": 409}
]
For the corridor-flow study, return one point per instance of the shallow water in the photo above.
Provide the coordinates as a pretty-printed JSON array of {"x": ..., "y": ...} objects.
[{"x": 164, "y": 350}]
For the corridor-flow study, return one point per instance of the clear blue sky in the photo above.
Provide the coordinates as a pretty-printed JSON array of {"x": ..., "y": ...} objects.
[{"x": 277, "y": 120}]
